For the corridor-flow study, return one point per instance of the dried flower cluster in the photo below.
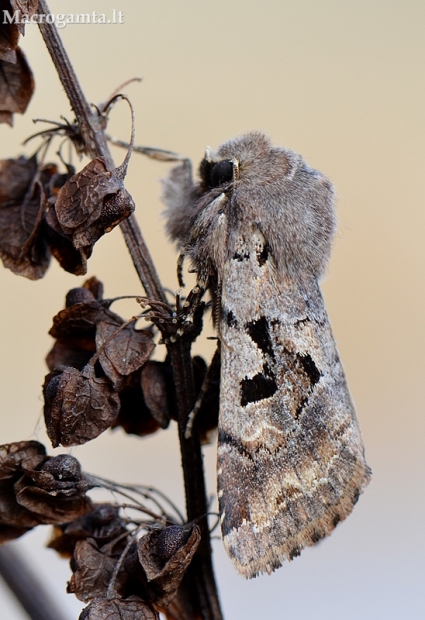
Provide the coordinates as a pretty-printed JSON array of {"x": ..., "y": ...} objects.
[
  {"x": 128, "y": 562},
  {"x": 110, "y": 566},
  {"x": 44, "y": 212}
]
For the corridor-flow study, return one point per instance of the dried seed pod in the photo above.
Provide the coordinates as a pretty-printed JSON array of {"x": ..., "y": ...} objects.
[
  {"x": 93, "y": 201},
  {"x": 165, "y": 553},
  {"x": 78, "y": 406}
]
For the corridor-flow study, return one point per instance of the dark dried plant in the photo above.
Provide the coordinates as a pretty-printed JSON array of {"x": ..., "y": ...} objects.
[{"x": 135, "y": 556}]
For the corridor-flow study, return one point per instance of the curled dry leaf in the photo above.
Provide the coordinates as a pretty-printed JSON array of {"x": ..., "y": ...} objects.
[
  {"x": 102, "y": 524},
  {"x": 165, "y": 553},
  {"x": 53, "y": 488},
  {"x": 69, "y": 258},
  {"x": 75, "y": 327},
  {"x": 16, "y": 87},
  {"x": 80, "y": 200},
  {"x": 92, "y": 571},
  {"x": 15, "y": 520},
  {"x": 121, "y": 350},
  {"x": 16, "y": 176},
  {"x": 92, "y": 286},
  {"x": 25, "y": 244},
  {"x": 23, "y": 248},
  {"x": 9, "y": 35},
  {"x": 131, "y": 608},
  {"x": 78, "y": 406},
  {"x": 154, "y": 387},
  {"x": 26, "y": 9},
  {"x": 134, "y": 416}
]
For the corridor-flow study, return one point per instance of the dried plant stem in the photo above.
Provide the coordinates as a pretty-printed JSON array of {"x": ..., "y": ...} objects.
[
  {"x": 196, "y": 498},
  {"x": 92, "y": 129}
]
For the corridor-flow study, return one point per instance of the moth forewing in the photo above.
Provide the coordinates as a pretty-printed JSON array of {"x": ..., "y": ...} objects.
[{"x": 290, "y": 454}]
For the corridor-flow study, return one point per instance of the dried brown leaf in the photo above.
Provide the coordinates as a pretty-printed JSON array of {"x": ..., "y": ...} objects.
[
  {"x": 9, "y": 35},
  {"x": 74, "y": 327},
  {"x": 53, "y": 488},
  {"x": 154, "y": 387},
  {"x": 78, "y": 406},
  {"x": 13, "y": 454},
  {"x": 92, "y": 571},
  {"x": 16, "y": 176},
  {"x": 78, "y": 320},
  {"x": 70, "y": 259},
  {"x": 16, "y": 86},
  {"x": 75, "y": 352},
  {"x": 121, "y": 351},
  {"x": 103, "y": 524},
  {"x": 92, "y": 286},
  {"x": 132, "y": 608},
  {"x": 23, "y": 248},
  {"x": 15, "y": 520},
  {"x": 134, "y": 416},
  {"x": 165, "y": 553},
  {"x": 50, "y": 508}
]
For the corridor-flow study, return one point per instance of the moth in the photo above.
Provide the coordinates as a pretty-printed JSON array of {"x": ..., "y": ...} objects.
[{"x": 258, "y": 229}]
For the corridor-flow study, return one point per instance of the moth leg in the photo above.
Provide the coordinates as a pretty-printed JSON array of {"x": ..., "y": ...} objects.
[
  {"x": 180, "y": 262},
  {"x": 151, "y": 151},
  {"x": 212, "y": 372},
  {"x": 217, "y": 314}
]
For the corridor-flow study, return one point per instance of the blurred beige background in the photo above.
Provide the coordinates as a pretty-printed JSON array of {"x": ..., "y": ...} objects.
[{"x": 343, "y": 83}]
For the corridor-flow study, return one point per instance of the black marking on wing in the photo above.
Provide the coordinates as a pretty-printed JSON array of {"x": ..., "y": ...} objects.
[
  {"x": 230, "y": 318},
  {"x": 310, "y": 368},
  {"x": 260, "y": 334},
  {"x": 262, "y": 385},
  {"x": 240, "y": 257},
  {"x": 263, "y": 256}
]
